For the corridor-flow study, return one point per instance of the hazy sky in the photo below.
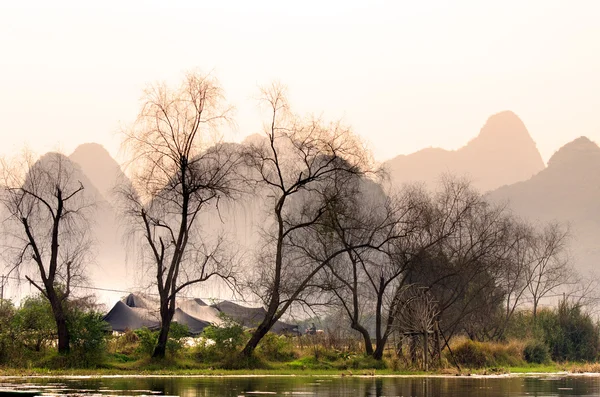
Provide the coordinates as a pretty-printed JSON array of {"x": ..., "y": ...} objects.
[{"x": 404, "y": 74}]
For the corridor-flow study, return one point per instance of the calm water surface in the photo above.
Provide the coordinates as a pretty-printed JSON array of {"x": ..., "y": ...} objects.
[{"x": 311, "y": 386}]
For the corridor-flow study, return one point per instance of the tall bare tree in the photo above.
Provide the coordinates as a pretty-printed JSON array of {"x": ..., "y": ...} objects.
[
  {"x": 414, "y": 226},
  {"x": 304, "y": 166},
  {"x": 365, "y": 279},
  {"x": 48, "y": 229},
  {"x": 549, "y": 267},
  {"x": 178, "y": 169}
]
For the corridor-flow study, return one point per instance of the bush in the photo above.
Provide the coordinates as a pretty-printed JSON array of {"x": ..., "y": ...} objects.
[
  {"x": 147, "y": 340},
  {"x": 220, "y": 342},
  {"x": 34, "y": 323},
  {"x": 277, "y": 348},
  {"x": 88, "y": 338},
  {"x": 570, "y": 334},
  {"x": 471, "y": 354},
  {"x": 536, "y": 352},
  {"x": 229, "y": 337},
  {"x": 177, "y": 333},
  {"x": 488, "y": 354},
  {"x": 126, "y": 343}
]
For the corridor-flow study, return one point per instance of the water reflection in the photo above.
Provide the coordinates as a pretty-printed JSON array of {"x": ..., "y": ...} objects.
[{"x": 311, "y": 386}]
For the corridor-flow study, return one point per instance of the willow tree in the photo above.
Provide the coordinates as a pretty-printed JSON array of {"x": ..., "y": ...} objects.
[
  {"x": 47, "y": 229},
  {"x": 178, "y": 169}
]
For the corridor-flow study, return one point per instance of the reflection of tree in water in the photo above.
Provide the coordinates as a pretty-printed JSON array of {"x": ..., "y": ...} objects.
[{"x": 323, "y": 387}]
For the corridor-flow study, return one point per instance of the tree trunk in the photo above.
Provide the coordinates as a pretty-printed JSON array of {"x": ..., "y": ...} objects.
[
  {"x": 166, "y": 315},
  {"x": 61, "y": 323},
  {"x": 438, "y": 345},
  {"x": 380, "y": 338},
  {"x": 365, "y": 334},
  {"x": 257, "y": 336},
  {"x": 378, "y": 353},
  {"x": 63, "y": 335}
]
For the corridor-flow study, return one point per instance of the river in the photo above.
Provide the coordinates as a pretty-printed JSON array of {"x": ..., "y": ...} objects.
[{"x": 319, "y": 386}]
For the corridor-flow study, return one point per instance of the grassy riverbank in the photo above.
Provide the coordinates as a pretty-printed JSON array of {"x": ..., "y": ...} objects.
[{"x": 183, "y": 367}]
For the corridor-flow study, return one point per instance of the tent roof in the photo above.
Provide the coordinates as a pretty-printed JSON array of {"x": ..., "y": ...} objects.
[
  {"x": 250, "y": 316},
  {"x": 135, "y": 311},
  {"x": 122, "y": 317},
  {"x": 246, "y": 316},
  {"x": 201, "y": 312},
  {"x": 140, "y": 301},
  {"x": 194, "y": 325}
]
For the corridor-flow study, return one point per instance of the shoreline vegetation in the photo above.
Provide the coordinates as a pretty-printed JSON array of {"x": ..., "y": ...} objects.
[
  {"x": 560, "y": 340},
  {"x": 568, "y": 369}
]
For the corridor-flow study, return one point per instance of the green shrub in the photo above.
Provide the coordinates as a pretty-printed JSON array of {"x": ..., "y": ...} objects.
[
  {"x": 536, "y": 352},
  {"x": 126, "y": 343},
  {"x": 7, "y": 337},
  {"x": 220, "y": 342},
  {"x": 34, "y": 323},
  {"x": 177, "y": 333},
  {"x": 228, "y": 337},
  {"x": 147, "y": 340},
  {"x": 570, "y": 333},
  {"x": 276, "y": 347},
  {"x": 88, "y": 338}
]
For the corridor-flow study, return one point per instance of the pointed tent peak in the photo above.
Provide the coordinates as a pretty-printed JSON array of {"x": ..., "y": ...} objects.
[
  {"x": 140, "y": 301},
  {"x": 200, "y": 302},
  {"x": 195, "y": 325},
  {"x": 580, "y": 151},
  {"x": 123, "y": 317}
]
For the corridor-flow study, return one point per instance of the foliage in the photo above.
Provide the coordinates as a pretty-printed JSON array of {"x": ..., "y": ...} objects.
[
  {"x": 219, "y": 342},
  {"x": 7, "y": 340},
  {"x": 473, "y": 354},
  {"x": 147, "y": 340},
  {"x": 229, "y": 337},
  {"x": 570, "y": 333},
  {"x": 536, "y": 352},
  {"x": 276, "y": 348},
  {"x": 34, "y": 322},
  {"x": 88, "y": 337},
  {"x": 144, "y": 340},
  {"x": 177, "y": 333},
  {"x": 124, "y": 344}
]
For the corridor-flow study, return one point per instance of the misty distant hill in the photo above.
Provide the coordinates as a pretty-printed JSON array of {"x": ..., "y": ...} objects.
[
  {"x": 98, "y": 165},
  {"x": 568, "y": 190},
  {"x": 102, "y": 173},
  {"x": 502, "y": 153}
]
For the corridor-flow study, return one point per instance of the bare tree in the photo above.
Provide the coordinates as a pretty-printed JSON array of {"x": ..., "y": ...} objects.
[
  {"x": 549, "y": 268},
  {"x": 511, "y": 275},
  {"x": 178, "y": 170},
  {"x": 422, "y": 234},
  {"x": 461, "y": 271},
  {"x": 367, "y": 279},
  {"x": 304, "y": 166},
  {"x": 48, "y": 229}
]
